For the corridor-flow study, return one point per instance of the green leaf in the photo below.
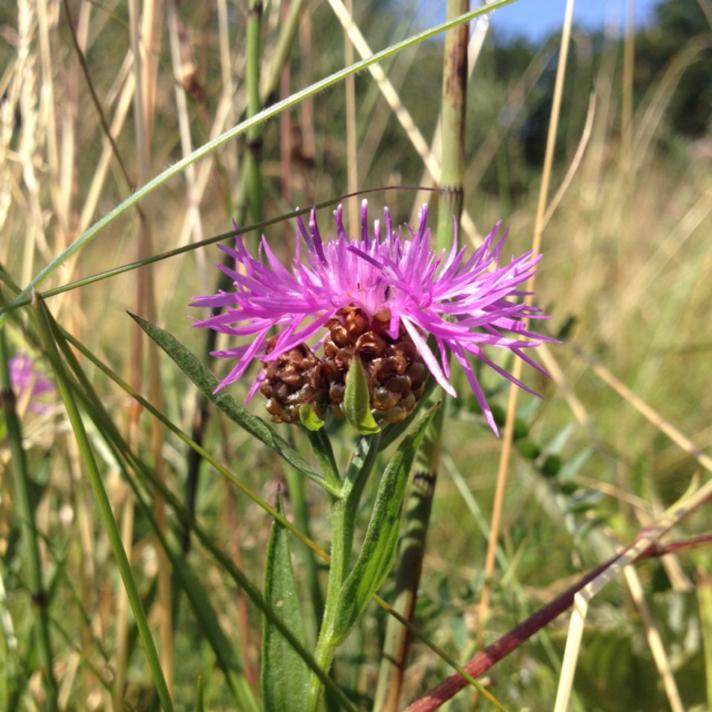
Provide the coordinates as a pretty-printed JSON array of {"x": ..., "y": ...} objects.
[
  {"x": 206, "y": 383},
  {"x": 380, "y": 541},
  {"x": 187, "y": 519},
  {"x": 284, "y": 673},
  {"x": 357, "y": 402},
  {"x": 309, "y": 418}
]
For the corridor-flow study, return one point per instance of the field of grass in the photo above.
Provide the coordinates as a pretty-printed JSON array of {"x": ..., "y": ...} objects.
[{"x": 140, "y": 564}]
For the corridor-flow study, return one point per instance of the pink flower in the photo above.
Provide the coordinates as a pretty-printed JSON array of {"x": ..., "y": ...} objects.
[
  {"x": 28, "y": 383},
  {"x": 465, "y": 305}
]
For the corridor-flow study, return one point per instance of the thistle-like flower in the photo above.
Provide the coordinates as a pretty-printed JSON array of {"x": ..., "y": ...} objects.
[
  {"x": 28, "y": 384},
  {"x": 380, "y": 297}
]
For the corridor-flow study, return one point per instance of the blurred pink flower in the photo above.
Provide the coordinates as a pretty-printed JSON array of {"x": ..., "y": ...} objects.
[{"x": 28, "y": 383}]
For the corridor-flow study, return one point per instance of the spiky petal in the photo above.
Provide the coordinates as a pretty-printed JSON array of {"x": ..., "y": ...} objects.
[{"x": 465, "y": 304}]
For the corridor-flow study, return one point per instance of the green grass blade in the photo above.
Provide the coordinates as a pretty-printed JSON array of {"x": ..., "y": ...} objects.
[
  {"x": 241, "y": 128},
  {"x": 104, "y": 507},
  {"x": 240, "y": 579},
  {"x": 205, "y": 615},
  {"x": 283, "y": 674}
]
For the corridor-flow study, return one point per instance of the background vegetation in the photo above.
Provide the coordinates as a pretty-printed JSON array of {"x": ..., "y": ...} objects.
[{"x": 625, "y": 275}]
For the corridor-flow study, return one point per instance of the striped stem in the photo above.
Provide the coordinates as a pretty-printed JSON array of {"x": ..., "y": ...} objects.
[{"x": 419, "y": 504}]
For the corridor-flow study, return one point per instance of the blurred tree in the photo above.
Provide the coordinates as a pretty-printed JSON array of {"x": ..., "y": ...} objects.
[{"x": 677, "y": 23}]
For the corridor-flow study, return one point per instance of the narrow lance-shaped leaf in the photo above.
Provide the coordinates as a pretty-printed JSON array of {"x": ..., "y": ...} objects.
[
  {"x": 284, "y": 673},
  {"x": 206, "y": 383},
  {"x": 125, "y": 454},
  {"x": 379, "y": 545}
]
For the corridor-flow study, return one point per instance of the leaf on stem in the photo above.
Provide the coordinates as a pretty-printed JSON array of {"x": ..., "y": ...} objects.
[
  {"x": 380, "y": 542},
  {"x": 284, "y": 674},
  {"x": 206, "y": 384}
]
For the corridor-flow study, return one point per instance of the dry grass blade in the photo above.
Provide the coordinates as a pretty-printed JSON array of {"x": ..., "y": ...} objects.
[
  {"x": 390, "y": 94},
  {"x": 662, "y": 662},
  {"x": 681, "y": 440},
  {"x": 507, "y": 437},
  {"x": 649, "y": 537}
]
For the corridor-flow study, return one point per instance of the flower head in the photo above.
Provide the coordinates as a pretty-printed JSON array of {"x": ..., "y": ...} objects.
[
  {"x": 28, "y": 384},
  {"x": 381, "y": 296}
]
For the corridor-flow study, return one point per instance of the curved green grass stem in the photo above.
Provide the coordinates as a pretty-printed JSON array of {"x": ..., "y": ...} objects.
[{"x": 238, "y": 130}]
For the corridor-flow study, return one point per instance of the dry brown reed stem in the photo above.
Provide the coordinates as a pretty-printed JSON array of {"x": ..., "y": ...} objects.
[
  {"x": 186, "y": 141},
  {"x": 503, "y": 468},
  {"x": 644, "y": 546},
  {"x": 144, "y": 38}
]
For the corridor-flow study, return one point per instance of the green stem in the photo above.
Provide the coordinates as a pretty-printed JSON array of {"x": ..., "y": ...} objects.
[
  {"x": 23, "y": 507},
  {"x": 342, "y": 535},
  {"x": 343, "y": 515}
]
